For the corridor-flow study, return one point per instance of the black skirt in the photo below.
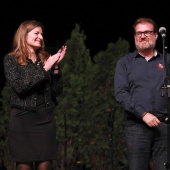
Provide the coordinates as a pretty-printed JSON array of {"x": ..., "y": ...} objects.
[{"x": 32, "y": 135}]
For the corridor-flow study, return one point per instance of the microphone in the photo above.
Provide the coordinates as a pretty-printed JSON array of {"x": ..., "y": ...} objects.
[{"x": 162, "y": 31}]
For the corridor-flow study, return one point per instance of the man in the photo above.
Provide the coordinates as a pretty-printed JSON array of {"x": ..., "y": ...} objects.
[{"x": 138, "y": 85}]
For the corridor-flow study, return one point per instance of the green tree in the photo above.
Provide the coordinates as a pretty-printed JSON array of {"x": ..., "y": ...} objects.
[
  {"x": 107, "y": 109},
  {"x": 72, "y": 102},
  {"x": 4, "y": 114},
  {"x": 87, "y": 104}
]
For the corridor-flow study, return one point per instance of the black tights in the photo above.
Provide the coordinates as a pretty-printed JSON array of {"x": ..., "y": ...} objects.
[{"x": 39, "y": 165}]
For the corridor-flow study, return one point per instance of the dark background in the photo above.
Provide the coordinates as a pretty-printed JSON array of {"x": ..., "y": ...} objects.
[{"x": 103, "y": 21}]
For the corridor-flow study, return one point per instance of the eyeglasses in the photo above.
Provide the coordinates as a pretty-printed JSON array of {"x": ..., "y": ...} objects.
[{"x": 146, "y": 33}]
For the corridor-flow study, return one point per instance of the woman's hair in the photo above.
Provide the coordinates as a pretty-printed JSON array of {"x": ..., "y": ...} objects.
[
  {"x": 19, "y": 45},
  {"x": 146, "y": 20}
]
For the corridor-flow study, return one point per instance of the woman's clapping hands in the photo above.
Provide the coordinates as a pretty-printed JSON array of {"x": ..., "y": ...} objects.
[{"x": 55, "y": 59}]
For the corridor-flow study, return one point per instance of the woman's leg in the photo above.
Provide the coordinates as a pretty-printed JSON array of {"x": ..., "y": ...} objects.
[
  {"x": 43, "y": 165},
  {"x": 24, "y": 166}
]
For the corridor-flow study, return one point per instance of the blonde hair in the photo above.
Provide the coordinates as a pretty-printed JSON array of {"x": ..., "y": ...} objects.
[{"x": 19, "y": 46}]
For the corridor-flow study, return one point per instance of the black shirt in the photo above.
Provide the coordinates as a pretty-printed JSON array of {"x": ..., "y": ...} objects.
[{"x": 138, "y": 85}]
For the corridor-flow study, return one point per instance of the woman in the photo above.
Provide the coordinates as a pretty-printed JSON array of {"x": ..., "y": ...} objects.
[{"x": 35, "y": 80}]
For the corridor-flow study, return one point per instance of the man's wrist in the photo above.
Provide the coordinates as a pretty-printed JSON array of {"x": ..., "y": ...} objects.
[{"x": 144, "y": 114}]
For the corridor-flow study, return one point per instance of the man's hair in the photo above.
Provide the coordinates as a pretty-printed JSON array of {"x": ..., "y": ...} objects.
[{"x": 146, "y": 20}]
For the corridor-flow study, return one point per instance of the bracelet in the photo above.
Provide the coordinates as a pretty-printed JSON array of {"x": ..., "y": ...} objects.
[{"x": 56, "y": 68}]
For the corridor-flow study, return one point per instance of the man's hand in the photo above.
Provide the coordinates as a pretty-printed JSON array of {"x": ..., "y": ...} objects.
[{"x": 151, "y": 120}]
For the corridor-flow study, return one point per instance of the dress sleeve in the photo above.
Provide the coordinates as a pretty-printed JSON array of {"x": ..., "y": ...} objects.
[{"x": 56, "y": 83}]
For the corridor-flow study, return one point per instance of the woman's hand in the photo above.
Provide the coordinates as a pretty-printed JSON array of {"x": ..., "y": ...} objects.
[
  {"x": 55, "y": 59},
  {"x": 62, "y": 54}
]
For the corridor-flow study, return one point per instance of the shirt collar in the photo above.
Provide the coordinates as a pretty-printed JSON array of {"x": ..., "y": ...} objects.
[{"x": 138, "y": 55}]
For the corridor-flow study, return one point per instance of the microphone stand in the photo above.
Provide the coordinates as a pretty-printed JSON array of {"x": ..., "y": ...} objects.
[{"x": 166, "y": 89}]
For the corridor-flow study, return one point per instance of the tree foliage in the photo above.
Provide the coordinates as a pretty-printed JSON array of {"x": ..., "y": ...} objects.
[{"x": 87, "y": 106}]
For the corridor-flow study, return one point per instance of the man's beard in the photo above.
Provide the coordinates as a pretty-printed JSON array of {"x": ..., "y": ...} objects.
[{"x": 149, "y": 45}]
